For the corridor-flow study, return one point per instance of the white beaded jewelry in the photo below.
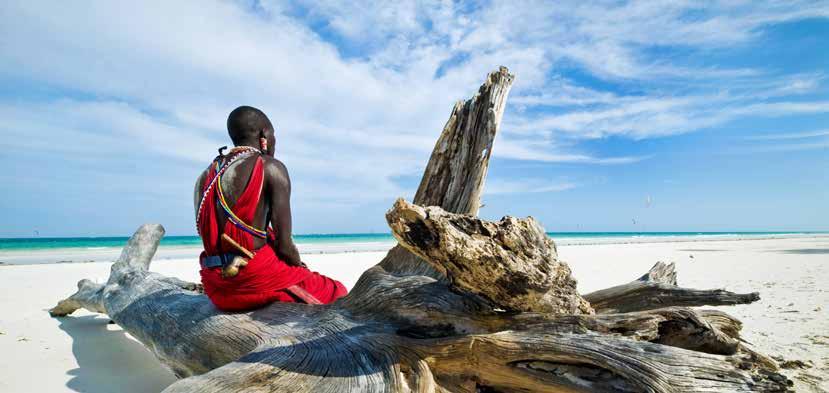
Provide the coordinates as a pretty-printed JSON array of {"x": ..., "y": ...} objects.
[{"x": 241, "y": 152}]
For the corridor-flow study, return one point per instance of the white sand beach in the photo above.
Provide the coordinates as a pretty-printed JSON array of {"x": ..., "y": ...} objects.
[{"x": 83, "y": 353}]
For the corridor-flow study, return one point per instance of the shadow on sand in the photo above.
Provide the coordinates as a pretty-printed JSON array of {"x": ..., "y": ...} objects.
[
  {"x": 109, "y": 361},
  {"x": 807, "y": 251}
]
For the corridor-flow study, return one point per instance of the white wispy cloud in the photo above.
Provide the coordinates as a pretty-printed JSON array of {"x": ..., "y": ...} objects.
[
  {"x": 792, "y": 135},
  {"x": 648, "y": 117},
  {"x": 525, "y": 186},
  {"x": 526, "y": 150},
  {"x": 816, "y": 144},
  {"x": 783, "y": 142}
]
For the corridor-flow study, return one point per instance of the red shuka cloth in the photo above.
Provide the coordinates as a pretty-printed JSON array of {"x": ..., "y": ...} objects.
[{"x": 265, "y": 277}]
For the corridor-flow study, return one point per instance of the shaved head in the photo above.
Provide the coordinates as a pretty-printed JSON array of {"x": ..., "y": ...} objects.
[{"x": 247, "y": 124}]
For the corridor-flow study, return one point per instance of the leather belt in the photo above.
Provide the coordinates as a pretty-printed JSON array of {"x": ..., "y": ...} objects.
[{"x": 217, "y": 260}]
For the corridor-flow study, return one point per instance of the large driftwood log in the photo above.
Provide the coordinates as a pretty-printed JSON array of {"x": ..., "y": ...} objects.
[{"x": 481, "y": 307}]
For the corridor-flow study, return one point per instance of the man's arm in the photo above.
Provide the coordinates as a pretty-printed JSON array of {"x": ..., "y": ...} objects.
[
  {"x": 279, "y": 193},
  {"x": 197, "y": 192}
]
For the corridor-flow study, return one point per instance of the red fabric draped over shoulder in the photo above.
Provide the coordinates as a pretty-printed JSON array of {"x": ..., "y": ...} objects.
[
  {"x": 265, "y": 277},
  {"x": 244, "y": 208}
]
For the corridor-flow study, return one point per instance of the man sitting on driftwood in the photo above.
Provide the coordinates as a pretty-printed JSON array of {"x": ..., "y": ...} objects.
[{"x": 243, "y": 216}]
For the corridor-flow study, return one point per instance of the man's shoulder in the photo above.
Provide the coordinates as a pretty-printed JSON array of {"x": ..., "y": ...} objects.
[
  {"x": 273, "y": 164},
  {"x": 202, "y": 176},
  {"x": 275, "y": 170}
]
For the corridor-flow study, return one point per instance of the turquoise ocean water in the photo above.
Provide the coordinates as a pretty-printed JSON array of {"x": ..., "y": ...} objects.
[{"x": 37, "y": 243}]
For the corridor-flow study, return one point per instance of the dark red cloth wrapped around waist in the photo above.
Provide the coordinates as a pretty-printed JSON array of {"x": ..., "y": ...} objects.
[{"x": 263, "y": 281}]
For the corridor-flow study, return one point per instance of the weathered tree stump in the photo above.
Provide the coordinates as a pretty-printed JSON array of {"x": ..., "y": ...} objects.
[
  {"x": 512, "y": 263},
  {"x": 462, "y": 305}
]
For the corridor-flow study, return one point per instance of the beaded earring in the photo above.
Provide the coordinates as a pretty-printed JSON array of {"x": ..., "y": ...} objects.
[{"x": 263, "y": 141}]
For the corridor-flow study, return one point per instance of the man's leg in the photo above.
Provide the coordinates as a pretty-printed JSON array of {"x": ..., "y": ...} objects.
[{"x": 325, "y": 289}]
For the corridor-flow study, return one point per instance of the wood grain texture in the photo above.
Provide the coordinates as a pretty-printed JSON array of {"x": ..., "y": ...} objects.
[
  {"x": 454, "y": 177},
  {"x": 456, "y": 172},
  {"x": 426, "y": 325}
]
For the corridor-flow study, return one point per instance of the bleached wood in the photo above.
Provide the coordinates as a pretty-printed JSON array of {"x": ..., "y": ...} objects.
[
  {"x": 454, "y": 177},
  {"x": 456, "y": 172},
  {"x": 512, "y": 263},
  {"x": 658, "y": 288}
]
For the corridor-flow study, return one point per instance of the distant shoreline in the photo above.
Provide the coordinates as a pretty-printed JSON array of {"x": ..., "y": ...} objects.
[
  {"x": 96, "y": 242},
  {"x": 77, "y": 254}
]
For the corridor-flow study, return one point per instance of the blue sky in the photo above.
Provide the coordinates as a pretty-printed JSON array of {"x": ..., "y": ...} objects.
[{"x": 717, "y": 111}]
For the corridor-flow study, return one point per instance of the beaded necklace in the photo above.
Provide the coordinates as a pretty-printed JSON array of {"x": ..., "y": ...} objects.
[{"x": 236, "y": 153}]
